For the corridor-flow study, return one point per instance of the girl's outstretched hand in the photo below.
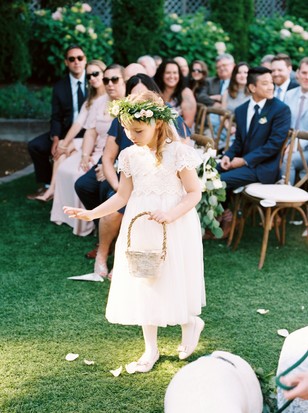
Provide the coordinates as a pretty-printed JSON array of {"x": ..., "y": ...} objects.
[
  {"x": 160, "y": 216},
  {"x": 79, "y": 213}
]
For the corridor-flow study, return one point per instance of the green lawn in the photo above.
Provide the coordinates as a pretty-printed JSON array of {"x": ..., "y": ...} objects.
[{"x": 44, "y": 316}]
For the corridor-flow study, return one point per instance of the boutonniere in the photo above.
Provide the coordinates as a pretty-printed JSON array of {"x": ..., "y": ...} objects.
[{"x": 263, "y": 120}]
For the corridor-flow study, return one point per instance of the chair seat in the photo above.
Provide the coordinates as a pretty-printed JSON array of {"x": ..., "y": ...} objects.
[{"x": 277, "y": 193}]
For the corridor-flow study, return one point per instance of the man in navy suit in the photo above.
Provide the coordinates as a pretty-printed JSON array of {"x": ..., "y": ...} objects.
[
  {"x": 68, "y": 95},
  {"x": 281, "y": 73},
  {"x": 262, "y": 123}
]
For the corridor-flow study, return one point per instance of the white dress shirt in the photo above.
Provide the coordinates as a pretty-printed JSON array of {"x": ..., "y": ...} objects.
[
  {"x": 251, "y": 110},
  {"x": 74, "y": 86},
  {"x": 283, "y": 88}
]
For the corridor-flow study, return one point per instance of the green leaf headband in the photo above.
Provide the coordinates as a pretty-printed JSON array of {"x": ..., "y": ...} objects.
[{"x": 146, "y": 111}]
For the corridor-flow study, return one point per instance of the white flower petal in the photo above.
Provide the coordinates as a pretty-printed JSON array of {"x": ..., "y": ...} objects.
[
  {"x": 88, "y": 362},
  {"x": 71, "y": 357},
  {"x": 302, "y": 307},
  {"x": 131, "y": 367},
  {"x": 116, "y": 372},
  {"x": 283, "y": 332},
  {"x": 262, "y": 311}
]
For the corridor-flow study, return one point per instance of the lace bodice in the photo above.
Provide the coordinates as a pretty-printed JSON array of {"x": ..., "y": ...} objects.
[{"x": 148, "y": 177}]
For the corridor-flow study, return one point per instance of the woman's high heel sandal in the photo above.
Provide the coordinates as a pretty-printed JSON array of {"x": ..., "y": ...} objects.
[
  {"x": 185, "y": 350},
  {"x": 101, "y": 269}
]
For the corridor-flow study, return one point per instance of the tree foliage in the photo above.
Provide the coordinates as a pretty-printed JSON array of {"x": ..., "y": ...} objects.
[
  {"x": 297, "y": 8},
  {"x": 137, "y": 27},
  {"x": 15, "y": 60},
  {"x": 235, "y": 17}
]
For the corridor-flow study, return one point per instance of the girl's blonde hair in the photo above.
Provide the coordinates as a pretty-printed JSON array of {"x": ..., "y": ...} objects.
[
  {"x": 92, "y": 92},
  {"x": 164, "y": 131}
]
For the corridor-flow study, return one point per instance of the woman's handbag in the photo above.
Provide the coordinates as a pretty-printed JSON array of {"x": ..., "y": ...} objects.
[{"x": 146, "y": 263}]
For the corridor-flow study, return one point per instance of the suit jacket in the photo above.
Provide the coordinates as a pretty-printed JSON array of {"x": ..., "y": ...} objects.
[
  {"x": 292, "y": 100},
  {"x": 62, "y": 108},
  {"x": 293, "y": 84},
  {"x": 261, "y": 149},
  {"x": 212, "y": 87}
]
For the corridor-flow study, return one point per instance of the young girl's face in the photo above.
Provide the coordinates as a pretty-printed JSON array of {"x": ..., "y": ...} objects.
[{"x": 142, "y": 134}]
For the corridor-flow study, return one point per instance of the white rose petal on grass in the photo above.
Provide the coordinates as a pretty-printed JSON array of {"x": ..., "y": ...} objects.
[
  {"x": 88, "y": 362},
  {"x": 283, "y": 332},
  {"x": 262, "y": 311},
  {"x": 116, "y": 372},
  {"x": 71, "y": 357},
  {"x": 131, "y": 367},
  {"x": 302, "y": 307}
]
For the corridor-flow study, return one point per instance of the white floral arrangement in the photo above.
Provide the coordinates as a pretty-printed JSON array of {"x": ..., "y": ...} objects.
[{"x": 213, "y": 193}]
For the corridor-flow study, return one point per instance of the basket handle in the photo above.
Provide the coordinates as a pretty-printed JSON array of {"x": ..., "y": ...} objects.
[{"x": 164, "y": 246}]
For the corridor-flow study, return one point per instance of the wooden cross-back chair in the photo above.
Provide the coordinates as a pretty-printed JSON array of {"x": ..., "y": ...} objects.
[
  {"x": 204, "y": 124},
  {"x": 271, "y": 201}
]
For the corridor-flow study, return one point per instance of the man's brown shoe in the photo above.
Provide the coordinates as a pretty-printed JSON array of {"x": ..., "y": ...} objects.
[{"x": 92, "y": 254}]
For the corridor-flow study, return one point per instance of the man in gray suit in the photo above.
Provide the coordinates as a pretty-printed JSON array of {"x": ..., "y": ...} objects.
[
  {"x": 217, "y": 85},
  {"x": 297, "y": 100}
]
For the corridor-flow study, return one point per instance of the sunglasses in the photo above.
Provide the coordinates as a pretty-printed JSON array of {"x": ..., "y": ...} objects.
[
  {"x": 73, "y": 58},
  {"x": 113, "y": 79},
  {"x": 94, "y": 74},
  {"x": 197, "y": 71}
]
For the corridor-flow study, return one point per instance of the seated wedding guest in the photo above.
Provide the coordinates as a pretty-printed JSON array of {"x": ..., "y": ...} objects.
[
  {"x": 148, "y": 63},
  {"x": 266, "y": 61},
  {"x": 281, "y": 73},
  {"x": 132, "y": 69},
  {"x": 182, "y": 62},
  {"x": 68, "y": 96},
  {"x": 220, "y": 382},
  {"x": 169, "y": 79},
  {"x": 97, "y": 124},
  {"x": 294, "y": 348},
  {"x": 101, "y": 181},
  {"x": 236, "y": 94},
  {"x": 297, "y": 100},
  {"x": 262, "y": 123},
  {"x": 198, "y": 75},
  {"x": 218, "y": 84},
  {"x": 69, "y": 145}
]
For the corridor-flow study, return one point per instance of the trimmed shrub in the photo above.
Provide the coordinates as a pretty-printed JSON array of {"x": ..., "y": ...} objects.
[
  {"x": 193, "y": 37},
  {"x": 54, "y": 31},
  {"x": 286, "y": 34},
  {"x": 18, "y": 102},
  {"x": 137, "y": 28},
  {"x": 15, "y": 60},
  {"x": 297, "y": 8},
  {"x": 235, "y": 17}
]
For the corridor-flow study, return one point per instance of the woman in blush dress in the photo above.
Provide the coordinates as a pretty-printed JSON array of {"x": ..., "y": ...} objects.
[{"x": 97, "y": 121}]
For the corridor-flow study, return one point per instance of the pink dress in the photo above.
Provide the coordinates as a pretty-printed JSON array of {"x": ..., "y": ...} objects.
[{"x": 97, "y": 117}]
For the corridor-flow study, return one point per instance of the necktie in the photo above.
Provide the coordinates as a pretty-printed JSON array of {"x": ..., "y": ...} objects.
[
  {"x": 221, "y": 90},
  {"x": 80, "y": 95},
  {"x": 300, "y": 112},
  {"x": 254, "y": 119},
  {"x": 278, "y": 96}
]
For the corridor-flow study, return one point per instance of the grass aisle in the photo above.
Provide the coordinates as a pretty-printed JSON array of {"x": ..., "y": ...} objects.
[{"x": 44, "y": 316}]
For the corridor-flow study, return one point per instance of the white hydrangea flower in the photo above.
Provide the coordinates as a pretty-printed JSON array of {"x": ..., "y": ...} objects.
[
  {"x": 305, "y": 35},
  {"x": 85, "y": 7},
  {"x": 284, "y": 34},
  {"x": 297, "y": 29},
  {"x": 80, "y": 28},
  {"x": 220, "y": 47},
  {"x": 176, "y": 28},
  {"x": 288, "y": 24},
  {"x": 57, "y": 15}
]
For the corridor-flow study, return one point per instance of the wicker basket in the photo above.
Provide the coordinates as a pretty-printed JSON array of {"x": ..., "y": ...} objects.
[{"x": 145, "y": 264}]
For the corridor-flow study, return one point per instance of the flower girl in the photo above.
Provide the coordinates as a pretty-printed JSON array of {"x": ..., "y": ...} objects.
[{"x": 157, "y": 175}]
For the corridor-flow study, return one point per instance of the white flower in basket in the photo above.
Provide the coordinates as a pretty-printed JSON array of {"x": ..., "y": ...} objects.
[{"x": 145, "y": 263}]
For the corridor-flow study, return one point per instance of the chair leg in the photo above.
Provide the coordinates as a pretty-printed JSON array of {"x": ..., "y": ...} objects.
[
  {"x": 267, "y": 228},
  {"x": 234, "y": 219},
  {"x": 241, "y": 225}
]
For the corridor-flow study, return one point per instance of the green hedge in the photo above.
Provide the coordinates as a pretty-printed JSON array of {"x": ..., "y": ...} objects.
[{"x": 137, "y": 28}]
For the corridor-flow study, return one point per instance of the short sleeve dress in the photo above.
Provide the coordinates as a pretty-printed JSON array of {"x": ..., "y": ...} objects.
[{"x": 179, "y": 291}]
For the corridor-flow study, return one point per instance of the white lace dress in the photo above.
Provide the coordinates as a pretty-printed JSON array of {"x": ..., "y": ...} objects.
[{"x": 179, "y": 290}]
